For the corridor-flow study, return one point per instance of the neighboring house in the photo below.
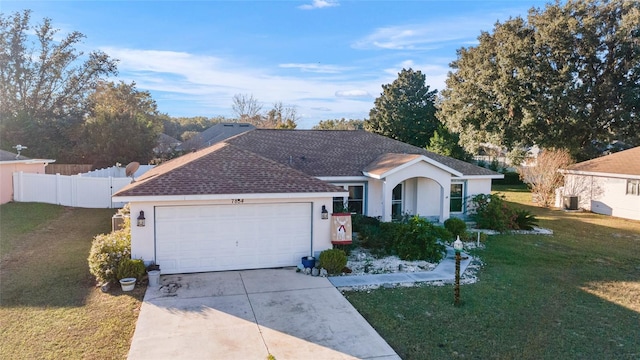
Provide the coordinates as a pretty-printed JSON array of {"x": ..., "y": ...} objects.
[
  {"x": 10, "y": 163},
  {"x": 256, "y": 199},
  {"x": 608, "y": 185},
  {"x": 215, "y": 134},
  {"x": 167, "y": 144}
]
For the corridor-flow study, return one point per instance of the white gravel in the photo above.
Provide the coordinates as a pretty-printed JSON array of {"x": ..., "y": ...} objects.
[{"x": 361, "y": 262}]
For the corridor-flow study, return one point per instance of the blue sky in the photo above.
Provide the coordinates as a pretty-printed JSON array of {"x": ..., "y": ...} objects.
[{"x": 329, "y": 59}]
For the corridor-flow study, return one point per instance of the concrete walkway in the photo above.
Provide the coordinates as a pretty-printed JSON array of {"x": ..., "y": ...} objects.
[{"x": 445, "y": 271}]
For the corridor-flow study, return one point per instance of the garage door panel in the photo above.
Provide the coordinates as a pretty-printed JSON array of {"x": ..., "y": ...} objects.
[{"x": 231, "y": 237}]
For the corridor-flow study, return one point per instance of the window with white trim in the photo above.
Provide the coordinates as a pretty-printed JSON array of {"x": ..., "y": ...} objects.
[
  {"x": 633, "y": 187},
  {"x": 354, "y": 203},
  {"x": 396, "y": 203}
]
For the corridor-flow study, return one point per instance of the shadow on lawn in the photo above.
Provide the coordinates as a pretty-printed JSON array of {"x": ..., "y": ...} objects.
[
  {"x": 572, "y": 295},
  {"x": 48, "y": 266}
]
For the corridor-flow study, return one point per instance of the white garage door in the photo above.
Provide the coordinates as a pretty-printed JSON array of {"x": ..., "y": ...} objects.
[{"x": 231, "y": 237}]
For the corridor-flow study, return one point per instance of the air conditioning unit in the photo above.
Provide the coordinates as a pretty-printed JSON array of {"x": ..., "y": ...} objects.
[
  {"x": 571, "y": 203},
  {"x": 117, "y": 222}
]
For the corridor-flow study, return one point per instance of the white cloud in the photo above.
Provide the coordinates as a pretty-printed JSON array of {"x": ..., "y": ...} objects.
[
  {"x": 319, "y": 4},
  {"x": 424, "y": 36},
  {"x": 353, "y": 93},
  {"x": 316, "y": 68},
  {"x": 210, "y": 82}
]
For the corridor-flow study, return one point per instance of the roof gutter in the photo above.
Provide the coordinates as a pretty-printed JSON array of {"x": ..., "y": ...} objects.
[
  {"x": 29, "y": 161},
  {"x": 209, "y": 197},
  {"x": 600, "y": 174}
]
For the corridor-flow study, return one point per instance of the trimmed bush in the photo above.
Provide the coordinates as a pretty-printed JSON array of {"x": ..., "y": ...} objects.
[
  {"x": 333, "y": 260},
  {"x": 131, "y": 268},
  {"x": 107, "y": 251},
  {"x": 372, "y": 237},
  {"x": 359, "y": 222},
  {"x": 492, "y": 212},
  {"x": 418, "y": 240},
  {"x": 413, "y": 239},
  {"x": 457, "y": 227}
]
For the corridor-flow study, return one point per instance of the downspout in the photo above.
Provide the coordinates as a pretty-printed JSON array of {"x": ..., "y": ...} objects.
[
  {"x": 384, "y": 199},
  {"x": 313, "y": 219},
  {"x": 155, "y": 247}
]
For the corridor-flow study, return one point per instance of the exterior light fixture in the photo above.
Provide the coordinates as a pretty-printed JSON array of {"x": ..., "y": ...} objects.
[
  {"x": 325, "y": 213},
  {"x": 141, "y": 219},
  {"x": 457, "y": 246}
]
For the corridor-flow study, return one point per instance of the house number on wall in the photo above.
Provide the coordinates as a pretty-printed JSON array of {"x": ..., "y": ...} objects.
[{"x": 237, "y": 201}]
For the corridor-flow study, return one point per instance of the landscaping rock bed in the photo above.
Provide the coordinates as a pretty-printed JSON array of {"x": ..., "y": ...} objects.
[{"x": 361, "y": 262}]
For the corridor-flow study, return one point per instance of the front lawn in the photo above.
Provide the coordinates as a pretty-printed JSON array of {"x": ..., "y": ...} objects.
[
  {"x": 49, "y": 305},
  {"x": 573, "y": 295}
]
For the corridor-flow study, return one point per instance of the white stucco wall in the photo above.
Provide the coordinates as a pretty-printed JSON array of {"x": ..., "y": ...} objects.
[
  {"x": 478, "y": 186},
  {"x": 603, "y": 195},
  {"x": 418, "y": 170},
  {"x": 374, "y": 201},
  {"x": 410, "y": 196},
  {"x": 427, "y": 188},
  {"x": 422, "y": 197},
  {"x": 428, "y": 197},
  {"x": 143, "y": 238}
]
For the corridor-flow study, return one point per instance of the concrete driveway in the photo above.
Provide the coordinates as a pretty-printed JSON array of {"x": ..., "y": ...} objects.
[{"x": 249, "y": 315}]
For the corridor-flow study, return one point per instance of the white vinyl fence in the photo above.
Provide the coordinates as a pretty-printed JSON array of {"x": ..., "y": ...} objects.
[
  {"x": 75, "y": 190},
  {"x": 116, "y": 171}
]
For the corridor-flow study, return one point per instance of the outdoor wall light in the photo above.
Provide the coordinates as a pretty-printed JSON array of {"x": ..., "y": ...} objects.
[
  {"x": 325, "y": 213},
  {"x": 141, "y": 218}
]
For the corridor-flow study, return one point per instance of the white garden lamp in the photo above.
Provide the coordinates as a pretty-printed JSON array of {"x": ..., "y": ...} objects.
[{"x": 457, "y": 246}]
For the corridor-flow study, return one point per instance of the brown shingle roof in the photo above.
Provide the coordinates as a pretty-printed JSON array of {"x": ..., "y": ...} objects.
[
  {"x": 625, "y": 162},
  {"x": 279, "y": 161},
  {"x": 223, "y": 169},
  {"x": 335, "y": 152}
]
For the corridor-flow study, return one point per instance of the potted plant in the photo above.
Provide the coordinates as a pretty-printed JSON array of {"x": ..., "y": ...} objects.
[
  {"x": 129, "y": 270},
  {"x": 128, "y": 284},
  {"x": 308, "y": 261}
]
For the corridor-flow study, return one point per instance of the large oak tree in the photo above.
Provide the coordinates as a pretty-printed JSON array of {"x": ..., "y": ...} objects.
[
  {"x": 123, "y": 125},
  {"x": 567, "y": 77},
  {"x": 44, "y": 84}
]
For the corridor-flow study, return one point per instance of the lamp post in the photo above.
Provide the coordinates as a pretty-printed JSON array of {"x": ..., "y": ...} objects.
[{"x": 457, "y": 246}]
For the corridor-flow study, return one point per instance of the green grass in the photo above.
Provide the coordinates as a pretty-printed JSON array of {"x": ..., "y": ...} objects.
[
  {"x": 20, "y": 218},
  {"x": 573, "y": 295},
  {"x": 49, "y": 305}
]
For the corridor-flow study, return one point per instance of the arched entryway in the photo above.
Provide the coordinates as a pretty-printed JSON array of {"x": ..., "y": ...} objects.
[{"x": 417, "y": 196}]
